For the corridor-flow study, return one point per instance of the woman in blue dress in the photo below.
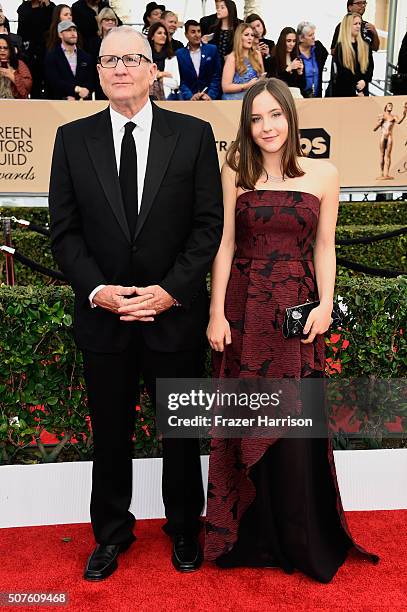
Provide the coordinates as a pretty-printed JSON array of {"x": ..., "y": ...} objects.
[{"x": 243, "y": 66}]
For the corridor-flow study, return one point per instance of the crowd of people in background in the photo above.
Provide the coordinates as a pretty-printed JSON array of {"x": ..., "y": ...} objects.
[{"x": 56, "y": 49}]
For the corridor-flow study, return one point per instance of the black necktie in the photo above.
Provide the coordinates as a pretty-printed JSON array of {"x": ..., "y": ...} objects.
[{"x": 128, "y": 176}]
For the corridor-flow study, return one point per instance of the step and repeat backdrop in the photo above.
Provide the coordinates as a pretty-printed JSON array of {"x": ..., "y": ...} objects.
[{"x": 355, "y": 134}]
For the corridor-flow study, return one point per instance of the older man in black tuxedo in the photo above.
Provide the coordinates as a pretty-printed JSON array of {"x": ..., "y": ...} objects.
[{"x": 136, "y": 220}]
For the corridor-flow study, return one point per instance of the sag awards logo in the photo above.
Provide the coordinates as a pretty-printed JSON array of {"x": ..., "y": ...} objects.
[
  {"x": 316, "y": 142},
  {"x": 16, "y": 146}
]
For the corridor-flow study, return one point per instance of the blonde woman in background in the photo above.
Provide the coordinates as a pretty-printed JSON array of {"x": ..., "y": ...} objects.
[
  {"x": 243, "y": 66},
  {"x": 353, "y": 68},
  {"x": 106, "y": 20}
]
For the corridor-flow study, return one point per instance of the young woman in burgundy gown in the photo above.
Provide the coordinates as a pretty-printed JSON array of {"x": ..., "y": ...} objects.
[{"x": 274, "y": 502}]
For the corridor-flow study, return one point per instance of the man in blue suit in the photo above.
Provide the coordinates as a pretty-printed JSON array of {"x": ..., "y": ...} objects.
[
  {"x": 69, "y": 71},
  {"x": 199, "y": 66}
]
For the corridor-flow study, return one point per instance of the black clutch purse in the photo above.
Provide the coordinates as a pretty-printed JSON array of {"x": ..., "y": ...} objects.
[{"x": 295, "y": 318}]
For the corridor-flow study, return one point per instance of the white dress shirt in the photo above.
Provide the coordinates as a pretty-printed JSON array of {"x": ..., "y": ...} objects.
[
  {"x": 141, "y": 134},
  {"x": 196, "y": 58},
  {"x": 71, "y": 54}
]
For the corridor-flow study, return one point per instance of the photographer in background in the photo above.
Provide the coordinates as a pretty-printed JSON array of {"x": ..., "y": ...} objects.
[{"x": 15, "y": 77}]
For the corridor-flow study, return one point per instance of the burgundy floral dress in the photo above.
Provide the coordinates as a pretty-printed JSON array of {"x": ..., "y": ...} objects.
[{"x": 274, "y": 502}]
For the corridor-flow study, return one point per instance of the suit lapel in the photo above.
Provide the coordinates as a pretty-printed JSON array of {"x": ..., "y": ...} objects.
[
  {"x": 203, "y": 60},
  {"x": 162, "y": 144},
  {"x": 64, "y": 64},
  {"x": 101, "y": 149},
  {"x": 189, "y": 61}
]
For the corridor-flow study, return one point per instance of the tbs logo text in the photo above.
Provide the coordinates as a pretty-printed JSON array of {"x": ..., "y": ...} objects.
[{"x": 315, "y": 143}]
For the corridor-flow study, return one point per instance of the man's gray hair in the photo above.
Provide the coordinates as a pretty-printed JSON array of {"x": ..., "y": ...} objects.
[
  {"x": 128, "y": 30},
  {"x": 305, "y": 27}
]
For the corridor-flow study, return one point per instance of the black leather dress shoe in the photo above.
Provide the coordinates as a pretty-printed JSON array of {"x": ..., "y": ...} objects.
[
  {"x": 103, "y": 561},
  {"x": 186, "y": 553}
]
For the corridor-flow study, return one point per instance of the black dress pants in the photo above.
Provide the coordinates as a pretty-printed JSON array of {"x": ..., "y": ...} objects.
[{"x": 112, "y": 381}]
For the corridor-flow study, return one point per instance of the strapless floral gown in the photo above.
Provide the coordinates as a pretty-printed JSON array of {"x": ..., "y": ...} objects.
[{"x": 274, "y": 502}]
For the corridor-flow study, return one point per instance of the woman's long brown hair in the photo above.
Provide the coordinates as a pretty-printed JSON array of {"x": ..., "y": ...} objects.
[
  {"x": 279, "y": 52},
  {"x": 245, "y": 157},
  {"x": 168, "y": 45}
]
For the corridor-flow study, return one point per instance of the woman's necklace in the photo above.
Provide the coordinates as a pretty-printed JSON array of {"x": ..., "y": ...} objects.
[{"x": 273, "y": 179}]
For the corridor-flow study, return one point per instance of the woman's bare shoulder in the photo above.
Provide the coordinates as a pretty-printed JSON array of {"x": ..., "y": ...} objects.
[
  {"x": 226, "y": 170},
  {"x": 228, "y": 176},
  {"x": 230, "y": 57}
]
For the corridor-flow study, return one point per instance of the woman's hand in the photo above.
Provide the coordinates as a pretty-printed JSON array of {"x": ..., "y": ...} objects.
[
  {"x": 218, "y": 332},
  {"x": 162, "y": 73},
  {"x": 318, "y": 321},
  {"x": 361, "y": 85},
  {"x": 296, "y": 64},
  {"x": 8, "y": 73},
  {"x": 251, "y": 82},
  {"x": 264, "y": 48}
]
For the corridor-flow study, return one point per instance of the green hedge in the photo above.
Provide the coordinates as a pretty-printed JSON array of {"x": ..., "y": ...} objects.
[
  {"x": 36, "y": 214},
  {"x": 350, "y": 213},
  {"x": 372, "y": 344},
  {"x": 390, "y": 253},
  {"x": 372, "y": 213},
  {"x": 39, "y": 365},
  {"x": 36, "y": 247}
]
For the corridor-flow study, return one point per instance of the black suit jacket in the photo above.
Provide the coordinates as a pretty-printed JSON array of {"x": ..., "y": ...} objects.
[
  {"x": 344, "y": 84},
  {"x": 207, "y": 22},
  {"x": 402, "y": 59},
  {"x": 177, "y": 236},
  {"x": 60, "y": 81}
]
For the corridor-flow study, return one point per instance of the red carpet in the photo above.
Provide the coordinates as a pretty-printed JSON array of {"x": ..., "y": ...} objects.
[{"x": 37, "y": 559}]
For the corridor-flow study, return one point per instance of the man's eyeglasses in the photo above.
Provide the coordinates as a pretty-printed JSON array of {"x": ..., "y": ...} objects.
[
  {"x": 360, "y": 3},
  {"x": 131, "y": 60}
]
